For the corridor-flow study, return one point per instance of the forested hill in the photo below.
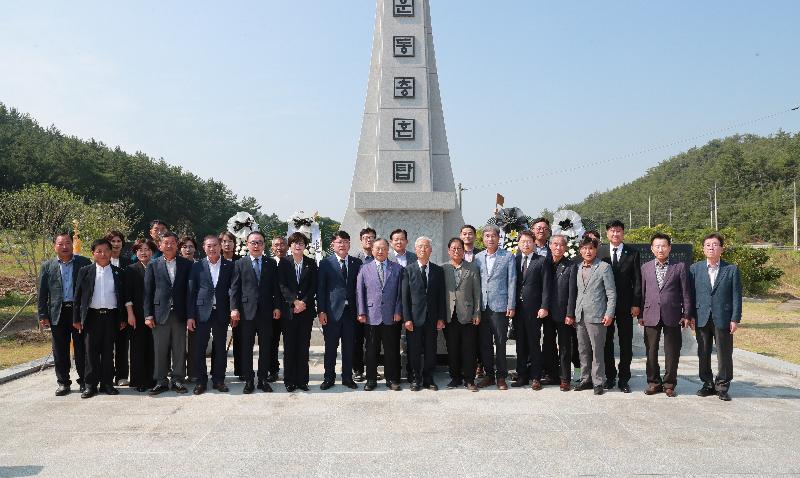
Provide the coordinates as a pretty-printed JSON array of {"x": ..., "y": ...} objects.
[
  {"x": 31, "y": 154},
  {"x": 754, "y": 177}
]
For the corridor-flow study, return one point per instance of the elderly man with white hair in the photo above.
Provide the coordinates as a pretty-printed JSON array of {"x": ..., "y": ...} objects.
[{"x": 424, "y": 305}]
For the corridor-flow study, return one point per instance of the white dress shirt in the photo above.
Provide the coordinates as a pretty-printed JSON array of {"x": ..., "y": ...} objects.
[
  {"x": 171, "y": 267},
  {"x": 611, "y": 251},
  {"x": 214, "y": 268},
  {"x": 104, "y": 296},
  {"x": 713, "y": 270},
  {"x": 427, "y": 269},
  {"x": 401, "y": 259},
  {"x": 115, "y": 261},
  {"x": 490, "y": 260}
]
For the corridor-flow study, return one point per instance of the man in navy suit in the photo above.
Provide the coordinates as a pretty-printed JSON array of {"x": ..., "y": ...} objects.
[
  {"x": 166, "y": 282},
  {"x": 498, "y": 304},
  {"x": 57, "y": 280},
  {"x": 208, "y": 312},
  {"x": 424, "y": 306},
  {"x": 718, "y": 310},
  {"x": 336, "y": 300},
  {"x": 255, "y": 302},
  {"x": 379, "y": 303}
]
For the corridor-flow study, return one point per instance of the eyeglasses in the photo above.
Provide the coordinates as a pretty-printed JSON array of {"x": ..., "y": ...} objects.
[{"x": 256, "y": 243}]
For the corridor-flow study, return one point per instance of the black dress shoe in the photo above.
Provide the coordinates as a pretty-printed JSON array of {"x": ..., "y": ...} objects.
[
  {"x": 249, "y": 387},
  {"x": 265, "y": 387},
  {"x": 724, "y": 396},
  {"x": 82, "y": 387},
  {"x": 706, "y": 391},
  {"x": 599, "y": 390},
  {"x": 583, "y": 386},
  {"x": 609, "y": 384},
  {"x": 350, "y": 384},
  {"x": 432, "y": 386},
  {"x": 221, "y": 387},
  {"x": 199, "y": 389},
  {"x": 370, "y": 385},
  {"x": 303, "y": 387},
  {"x": 141, "y": 389},
  {"x": 358, "y": 377},
  {"x": 89, "y": 392},
  {"x": 62, "y": 390},
  {"x": 625, "y": 387},
  {"x": 109, "y": 390},
  {"x": 272, "y": 377},
  {"x": 395, "y": 387},
  {"x": 415, "y": 387},
  {"x": 290, "y": 387},
  {"x": 179, "y": 387},
  {"x": 453, "y": 384},
  {"x": 326, "y": 385},
  {"x": 520, "y": 383},
  {"x": 158, "y": 389}
]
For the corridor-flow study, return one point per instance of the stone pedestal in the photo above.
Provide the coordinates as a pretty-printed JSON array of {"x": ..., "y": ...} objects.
[{"x": 403, "y": 177}]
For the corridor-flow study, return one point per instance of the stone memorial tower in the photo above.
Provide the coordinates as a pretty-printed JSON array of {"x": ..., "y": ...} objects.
[{"x": 403, "y": 178}]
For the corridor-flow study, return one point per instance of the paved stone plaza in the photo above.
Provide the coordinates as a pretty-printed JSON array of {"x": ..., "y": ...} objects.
[{"x": 381, "y": 433}]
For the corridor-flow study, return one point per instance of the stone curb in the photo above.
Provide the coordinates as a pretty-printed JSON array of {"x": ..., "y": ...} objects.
[
  {"x": 24, "y": 369},
  {"x": 768, "y": 363}
]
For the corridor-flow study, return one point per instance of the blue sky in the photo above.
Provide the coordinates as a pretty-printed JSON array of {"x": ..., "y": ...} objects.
[{"x": 268, "y": 96}]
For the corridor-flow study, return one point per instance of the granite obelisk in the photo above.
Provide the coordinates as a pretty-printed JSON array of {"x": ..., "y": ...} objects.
[{"x": 403, "y": 177}]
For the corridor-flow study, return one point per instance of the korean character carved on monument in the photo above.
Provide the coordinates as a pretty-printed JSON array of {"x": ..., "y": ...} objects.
[
  {"x": 404, "y": 87},
  {"x": 403, "y": 8},
  {"x": 403, "y": 129},
  {"x": 404, "y": 46}
]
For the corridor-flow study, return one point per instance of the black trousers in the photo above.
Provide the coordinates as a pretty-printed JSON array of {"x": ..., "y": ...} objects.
[
  {"x": 462, "y": 344},
  {"x": 389, "y": 337},
  {"x": 296, "y": 342},
  {"x": 121, "y": 348},
  {"x": 550, "y": 359},
  {"x": 99, "y": 333},
  {"x": 216, "y": 325},
  {"x": 529, "y": 352},
  {"x": 142, "y": 355},
  {"x": 422, "y": 352},
  {"x": 190, "y": 363},
  {"x": 706, "y": 337},
  {"x": 492, "y": 335},
  {"x": 624, "y": 328},
  {"x": 249, "y": 329},
  {"x": 567, "y": 345},
  {"x": 275, "y": 343},
  {"x": 335, "y": 332},
  {"x": 359, "y": 347},
  {"x": 63, "y": 333},
  {"x": 236, "y": 336},
  {"x": 576, "y": 355},
  {"x": 672, "y": 353}
]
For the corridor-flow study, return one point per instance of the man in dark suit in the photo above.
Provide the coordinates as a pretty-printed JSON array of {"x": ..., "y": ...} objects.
[
  {"x": 424, "y": 305},
  {"x": 336, "y": 299},
  {"x": 533, "y": 301},
  {"x": 627, "y": 270},
  {"x": 255, "y": 303},
  {"x": 123, "y": 341},
  {"x": 561, "y": 295},
  {"x": 278, "y": 249},
  {"x": 166, "y": 283},
  {"x": 367, "y": 238},
  {"x": 467, "y": 235},
  {"x": 667, "y": 307},
  {"x": 208, "y": 312},
  {"x": 98, "y": 316},
  {"x": 717, "y": 289},
  {"x": 379, "y": 305},
  {"x": 57, "y": 281}
]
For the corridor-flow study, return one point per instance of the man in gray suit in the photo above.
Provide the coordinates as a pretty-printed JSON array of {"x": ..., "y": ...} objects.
[
  {"x": 592, "y": 310},
  {"x": 367, "y": 237},
  {"x": 498, "y": 303},
  {"x": 462, "y": 283},
  {"x": 718, "y": 309},
  {"x": 667, "y": 307},
  {"x": 57, "y": 282},
  {"x": 166, "y": 284}
]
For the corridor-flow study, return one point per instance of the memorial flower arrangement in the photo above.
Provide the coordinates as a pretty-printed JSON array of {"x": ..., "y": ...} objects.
[
  {"x": 568, "y": 223},
  {"x": 511, "y": 222},
  {"x": 241, "y": 225}
]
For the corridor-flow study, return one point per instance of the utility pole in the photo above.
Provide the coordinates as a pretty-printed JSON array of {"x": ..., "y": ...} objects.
[
  {"x": 648, "y": 211},
  {"x": 711, "y": 201},
  {"x": 716, "y": 215},
  {"x": 794, "y": 186},
  {"x": 461, "y": 189},
  {"x": 670, "y": 217},
  {"x": 630, "y": 219}
]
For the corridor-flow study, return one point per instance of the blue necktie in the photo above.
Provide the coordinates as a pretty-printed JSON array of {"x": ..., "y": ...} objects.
[{"x": 257, "y": 268}]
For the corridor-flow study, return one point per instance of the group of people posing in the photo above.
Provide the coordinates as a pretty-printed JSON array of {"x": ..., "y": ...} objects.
[{"x": 128, "y": 318}]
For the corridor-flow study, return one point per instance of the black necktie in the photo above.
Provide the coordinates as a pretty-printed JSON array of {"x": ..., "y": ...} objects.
[
  {"x": 525, "y": 260},
  {"x": 344, "y": 269},
  {"x": 614, "y": 258},
  {"x": 425, "y": 276}
]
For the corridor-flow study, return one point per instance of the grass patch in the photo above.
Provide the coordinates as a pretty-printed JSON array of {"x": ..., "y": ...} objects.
[
  {"x": 10, "y": 303},
  {"x": 771, "y": 329},
  {"x": 789, "y": 263},
  {"x": 24, "y": 347}
]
